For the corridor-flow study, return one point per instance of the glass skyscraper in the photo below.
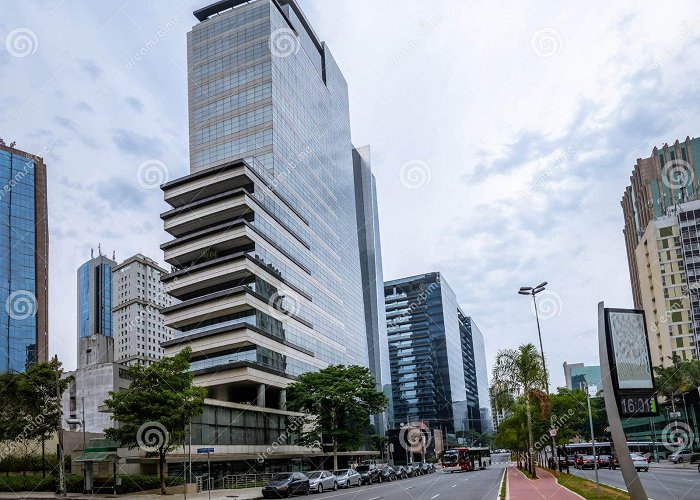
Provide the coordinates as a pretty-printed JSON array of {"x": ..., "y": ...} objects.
[
  {"x": 95, "y": 336},
  {"x": 23, "y": 260},
  {"x": 436, "y": 352},
  {"x": 265, "y": 255}
]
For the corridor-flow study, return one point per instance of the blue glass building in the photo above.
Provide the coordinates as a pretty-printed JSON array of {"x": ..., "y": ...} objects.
[
  {"x": 95, "y": 336},
  {"x": 436, "y": 352},
  {"x": 23, "y": 260}
]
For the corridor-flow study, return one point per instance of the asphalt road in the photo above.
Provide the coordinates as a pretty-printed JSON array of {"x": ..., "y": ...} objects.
[
  {"x": 659, "y": 483},
  {"x": 475, "y": 485}
]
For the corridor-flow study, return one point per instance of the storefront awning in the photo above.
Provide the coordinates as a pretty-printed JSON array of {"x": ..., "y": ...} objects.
[{"x": 97, "y": 456}]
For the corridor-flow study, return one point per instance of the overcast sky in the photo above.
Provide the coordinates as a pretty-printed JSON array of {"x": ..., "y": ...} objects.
[{"x": 503, "y": 135}]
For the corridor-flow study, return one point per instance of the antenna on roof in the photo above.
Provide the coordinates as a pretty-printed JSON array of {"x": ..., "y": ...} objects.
[
  {"x": 92, "y": 253},
  {"x": 12, "y": 144},
  {"x": 114, "y": 255},
  {"x": 99, "y": 249}
]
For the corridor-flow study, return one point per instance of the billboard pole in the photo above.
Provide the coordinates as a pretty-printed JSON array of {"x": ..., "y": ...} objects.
[{"x": 629, "y": 473}]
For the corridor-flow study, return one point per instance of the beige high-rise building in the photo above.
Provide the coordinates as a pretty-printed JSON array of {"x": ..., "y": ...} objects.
[{"x": 662, "y": 222}]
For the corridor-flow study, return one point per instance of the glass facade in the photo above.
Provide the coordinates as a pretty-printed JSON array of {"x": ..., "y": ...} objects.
[
  {"x": 288, "y": 118},
  {"x": 19, "y": 290},
  {"x": 437, "y": 369},
  {"x": 95, "y": 297}
]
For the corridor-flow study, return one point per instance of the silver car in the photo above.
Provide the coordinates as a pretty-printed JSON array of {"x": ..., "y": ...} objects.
[
  {"x": 348, "y": 477},
  {"x": 322, "y": 480}
]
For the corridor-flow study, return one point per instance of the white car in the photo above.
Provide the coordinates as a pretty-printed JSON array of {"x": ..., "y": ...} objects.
[
  {"x": 322, "y": 480},
  {"x": 347, "y": 478},
  {"x": 640, "y": 463}
]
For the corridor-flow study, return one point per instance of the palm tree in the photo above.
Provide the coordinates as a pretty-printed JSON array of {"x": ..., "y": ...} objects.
[
  {"x": 681, "y": 377},
  {"x": 521, "y": 369}
]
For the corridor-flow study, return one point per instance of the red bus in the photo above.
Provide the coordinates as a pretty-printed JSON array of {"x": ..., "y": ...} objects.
[{"x": 466, "y": 459}]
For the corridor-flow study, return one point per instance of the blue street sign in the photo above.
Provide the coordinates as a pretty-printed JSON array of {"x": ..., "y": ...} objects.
[{"x": 205, "y": 450}]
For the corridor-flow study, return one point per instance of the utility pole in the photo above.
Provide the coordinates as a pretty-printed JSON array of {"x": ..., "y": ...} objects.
[
  {"x": 59, "y": 430},
  {"x": 590, "y": 420}
]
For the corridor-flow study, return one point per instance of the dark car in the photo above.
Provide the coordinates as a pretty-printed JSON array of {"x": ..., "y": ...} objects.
[
  {"x": 388, "y": 474},
  {"x": 369, "y": 474},
  {"x": 603, "y": 461},
  {"x": 401, "y": 472},
  {"x": 425, "y": 468},
  {"x": 587, "y": 462},
  {"x": 414, "y": 469},
  {"x": 286, "y": 484}
]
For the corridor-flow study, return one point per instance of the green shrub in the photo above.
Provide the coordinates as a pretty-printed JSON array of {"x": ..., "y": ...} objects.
[
  {"x": 27, "y": 483},
  {"x": 142, "y": 482}
]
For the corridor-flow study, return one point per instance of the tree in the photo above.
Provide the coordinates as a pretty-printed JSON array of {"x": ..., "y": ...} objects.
[
  {"x": 31, "y": 410},
  {"x": 339, "y": 401},
  {"x": 681, "y": 377},
  {"x": 156, "y": 408},
  {"x": 522, "y": 369}
]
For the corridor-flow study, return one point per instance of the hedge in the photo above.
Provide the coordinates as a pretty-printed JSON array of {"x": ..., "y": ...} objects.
[
  {"x": 142, "y": 482},
  {"x": 74, "y": 483}
]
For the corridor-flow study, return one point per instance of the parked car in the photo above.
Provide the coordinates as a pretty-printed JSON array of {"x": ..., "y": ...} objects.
[
  {"x": 388, "y": 473},
  {"x": 401, "y": 472},
  {"x": 680, "y": 456},
  {"x": 425, "y": 468},
  {"x": 369, "y": 474},
  {"x": 285, "y": 484},
  {"x": 322, "y": 480},
  {"x": 347, "y": 478},
  {"x": 603, "y": 461},
  {"x": 415, "y": 469}
]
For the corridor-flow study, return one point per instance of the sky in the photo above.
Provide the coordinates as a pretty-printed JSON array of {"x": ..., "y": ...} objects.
[{"x": 503, "y": 135}]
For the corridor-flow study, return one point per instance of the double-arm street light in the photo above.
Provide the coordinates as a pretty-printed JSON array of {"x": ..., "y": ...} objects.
[{"x": 534, "y": 290}]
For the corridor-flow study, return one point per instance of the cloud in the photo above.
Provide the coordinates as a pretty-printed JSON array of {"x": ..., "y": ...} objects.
[
  {"x": 134, "y": 104},
  {"x": 120, "y": 194},
  {"x": 66, "y": 123},
  {"x": 90, "y": 67},
  {"x": 137, "y": 145},
  {"x": 84, "y": 107}
]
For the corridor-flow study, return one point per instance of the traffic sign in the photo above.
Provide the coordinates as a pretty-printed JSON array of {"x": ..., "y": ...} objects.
[
  {"x": 552, "y": 432},
  {"x": 205, "y": 450}
]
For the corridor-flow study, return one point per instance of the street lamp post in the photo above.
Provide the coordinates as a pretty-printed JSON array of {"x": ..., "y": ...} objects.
[{"x": 533, "y": 291}]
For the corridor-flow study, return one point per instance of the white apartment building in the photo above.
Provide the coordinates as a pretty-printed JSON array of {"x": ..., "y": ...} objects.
[{"x": 137, "y": 299}]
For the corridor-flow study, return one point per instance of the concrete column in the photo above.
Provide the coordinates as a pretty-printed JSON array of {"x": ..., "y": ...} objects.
[
  {"x": 283, "y": 399},
  {"x": 261, "y": 395}
]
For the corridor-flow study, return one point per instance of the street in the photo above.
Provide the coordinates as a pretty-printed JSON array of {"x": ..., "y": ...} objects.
[
  {"x": 483, "y": 484},
  {"x": 660, "y": 483}
]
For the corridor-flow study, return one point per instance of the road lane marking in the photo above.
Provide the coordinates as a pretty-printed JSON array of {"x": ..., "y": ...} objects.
[{"x": 431, "y": 498}]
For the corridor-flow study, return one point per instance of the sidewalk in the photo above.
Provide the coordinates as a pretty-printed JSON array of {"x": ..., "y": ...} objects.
[
  {"x": 242, "y": 494},
  {"x": 546, "y": 487}
]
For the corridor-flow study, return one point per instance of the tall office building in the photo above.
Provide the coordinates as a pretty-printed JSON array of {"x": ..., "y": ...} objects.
[
  {"x": 265, "y": 254},
  {"x": 372, "y": 279},
  {"x": 576, "y": 374},
  {"x": 95, "y": 336},
  {"x": 24, "y": 258},
  {"x": 437, "y": 360},
  {"x": 138, "y": 295},
  {"x": 662, "y": 217}
]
